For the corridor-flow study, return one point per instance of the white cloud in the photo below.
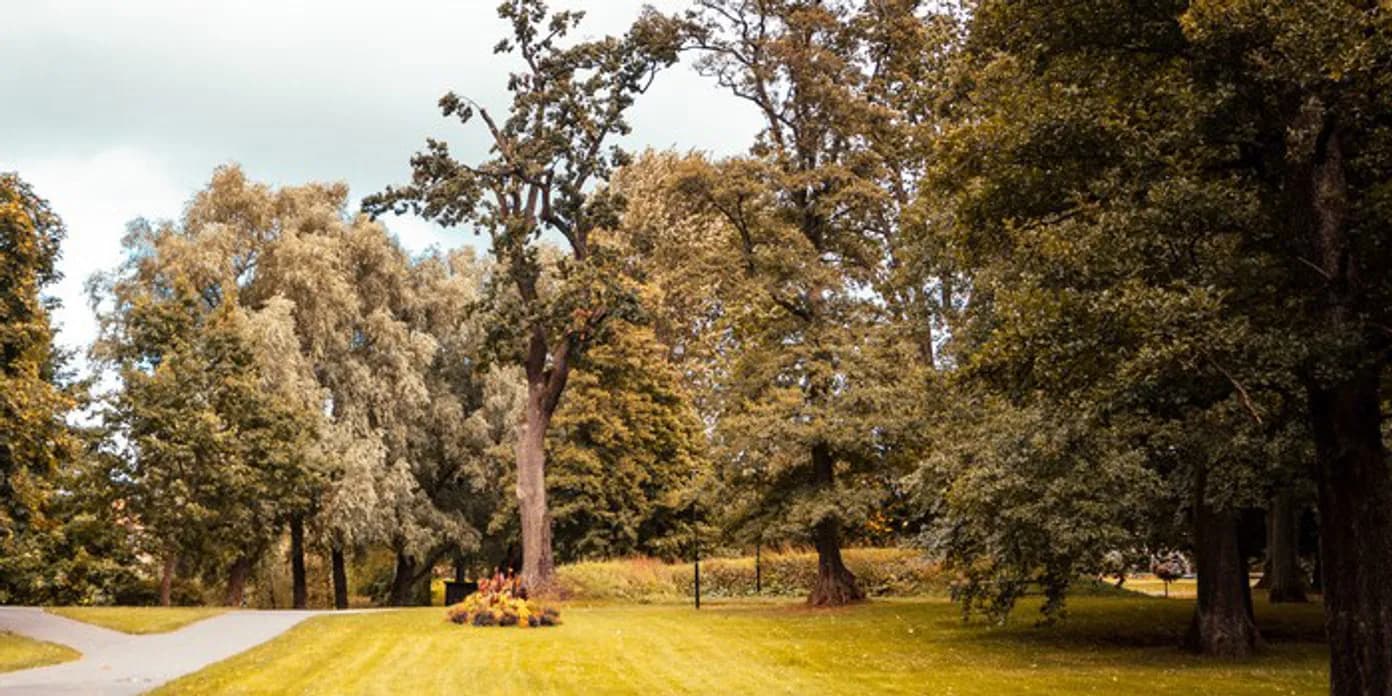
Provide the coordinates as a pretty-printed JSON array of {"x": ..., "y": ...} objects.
[
  {"x": 96, "y": 196},
  {"x": 418, "y": 235},
  {"x": 128, "y": 106}
]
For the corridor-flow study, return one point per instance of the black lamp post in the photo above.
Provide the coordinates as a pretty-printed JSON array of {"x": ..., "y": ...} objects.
[
  {"x": 758, "y": 569},
  {"x": 696, "y": 552}
]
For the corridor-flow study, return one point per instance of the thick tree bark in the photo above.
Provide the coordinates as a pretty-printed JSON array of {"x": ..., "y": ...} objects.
[
  {"x": 1355, "y": 536},
  {"x": 403, "y": 589},
  {"x": 1284, "y": 580},
  {"x": 167, "y": 579},
  {"x": 538, "y": 564},
  {"x": 835, "y": 585},
  {"x": 340, "y": 579},
  {"x": 1223, "y": 624},
  {"x": 236, "y": 582},
  {"x": 299, "y": 588},
  {"x": 1352, "y": 473}
]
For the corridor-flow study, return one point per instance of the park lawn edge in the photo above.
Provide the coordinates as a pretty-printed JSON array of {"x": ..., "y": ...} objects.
[
  {"x": 138, "y": 621},
  {"x": 21, "y": 652}
]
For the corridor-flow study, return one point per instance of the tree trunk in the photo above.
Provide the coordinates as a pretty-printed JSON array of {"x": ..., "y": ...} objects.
[
  {"x": 511, "y": 560},
  {"x": 835, "y": 585},
  {"x": 404, "y": 582},
  {"x": 300, "y": 591},
  {"x": 340, "y": 579},
  {"x": 538, "y": 564},
  {"x": 1355, "y": 536},
  {"x": 1223, "y": 624},
  {"x": 236, "y": 582},
  {"x": 1286, "y": 581},
  {"x": 1352, "y": 474},
  {"x": 167, "y": 579}
]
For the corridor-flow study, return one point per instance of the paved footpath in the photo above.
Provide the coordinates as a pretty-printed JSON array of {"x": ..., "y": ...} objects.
[{"x": 119, "y": 664}]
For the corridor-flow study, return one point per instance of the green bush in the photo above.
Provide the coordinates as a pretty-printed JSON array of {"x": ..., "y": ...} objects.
[{"x": 881, "y": 572}]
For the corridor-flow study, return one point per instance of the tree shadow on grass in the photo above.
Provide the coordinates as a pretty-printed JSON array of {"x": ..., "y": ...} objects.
[{"x": 1133, "y": 622}]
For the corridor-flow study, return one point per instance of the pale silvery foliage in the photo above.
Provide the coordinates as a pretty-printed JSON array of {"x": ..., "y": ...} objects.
[
  {"x": 284, "y": 370},
  {"x": 495, "y": 424},
  {"x": 381, "y": 350},
  {"x": 349, "y": 518}
]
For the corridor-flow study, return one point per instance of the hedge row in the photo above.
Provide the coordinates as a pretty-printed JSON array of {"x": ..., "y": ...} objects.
[{"x": 881, "y": 572}]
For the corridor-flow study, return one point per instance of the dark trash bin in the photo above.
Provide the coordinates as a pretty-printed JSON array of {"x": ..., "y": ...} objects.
[{"x": 455, "y": 592}]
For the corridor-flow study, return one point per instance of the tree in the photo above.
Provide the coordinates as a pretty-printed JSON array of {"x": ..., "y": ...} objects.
[
  {"x": 215, "y": 451},
  {"x": 814, "y": 219},
  {"x": 336, "y": 322},
  {"x": 551, "y": 148},
  {"x": 469, "y": 413},
  {"x": 623, "y": 450},
  {"x": 384, "y": 349},
  {"x": 1079, "y": 299},
  {"x": 1024, "y": 496},
  {"x": 1282, "y": 576},
  {"x": 1305, "y": 113},
  {"x": 354, "y": 306},
  {"x": 35, "y": 441},
  {"x": 1172, "y": 211},
  {"x": 219, "y": 410}
]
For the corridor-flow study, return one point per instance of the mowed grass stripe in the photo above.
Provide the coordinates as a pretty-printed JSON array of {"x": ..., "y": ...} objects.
[{"x": 1107, "y": 646}]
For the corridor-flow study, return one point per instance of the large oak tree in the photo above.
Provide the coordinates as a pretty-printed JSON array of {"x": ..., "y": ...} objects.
[
  {"x": 815, "y": 215},
  {"x": 550, "y": 149}
]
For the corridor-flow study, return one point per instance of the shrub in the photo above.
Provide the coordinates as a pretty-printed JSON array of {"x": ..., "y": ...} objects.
[{"x": 881, "y": 572}]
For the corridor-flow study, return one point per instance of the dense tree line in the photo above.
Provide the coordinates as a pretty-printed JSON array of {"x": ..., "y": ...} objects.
[
  {"x": 1172, "y": 217},
  {"x": 1051, "y": 289}
]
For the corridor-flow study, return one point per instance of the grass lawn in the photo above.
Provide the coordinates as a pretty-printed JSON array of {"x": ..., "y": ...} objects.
[
  {"x": 138, "y": 620},
  {"x": 1108, "y": 646},
  {"x": 1187, "y": 588},
  {"x": 18, "y": 652}
]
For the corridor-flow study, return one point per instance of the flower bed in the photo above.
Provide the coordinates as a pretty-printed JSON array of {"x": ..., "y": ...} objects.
[{"x": 502, "y": 606}]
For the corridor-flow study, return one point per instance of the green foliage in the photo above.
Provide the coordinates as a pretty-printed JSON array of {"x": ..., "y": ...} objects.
[
  {"x": 568, "y": 104},
  {"x": 88, "y": 555},
  {"x": 279, "y": 357},
  {"x": 1108, "y": 240},
  {"x": 213, "y": 454},
  {"x": 36, "y": 443},
  {"x": 217, "y": 413},
  {"x": 624, "y": 449},
  {"x": 1022, "y": 499},
  {"x": 817, "y": 384}
]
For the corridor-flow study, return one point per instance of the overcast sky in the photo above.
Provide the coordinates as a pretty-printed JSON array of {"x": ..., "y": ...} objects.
[{"x": 120, "y": 109}]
